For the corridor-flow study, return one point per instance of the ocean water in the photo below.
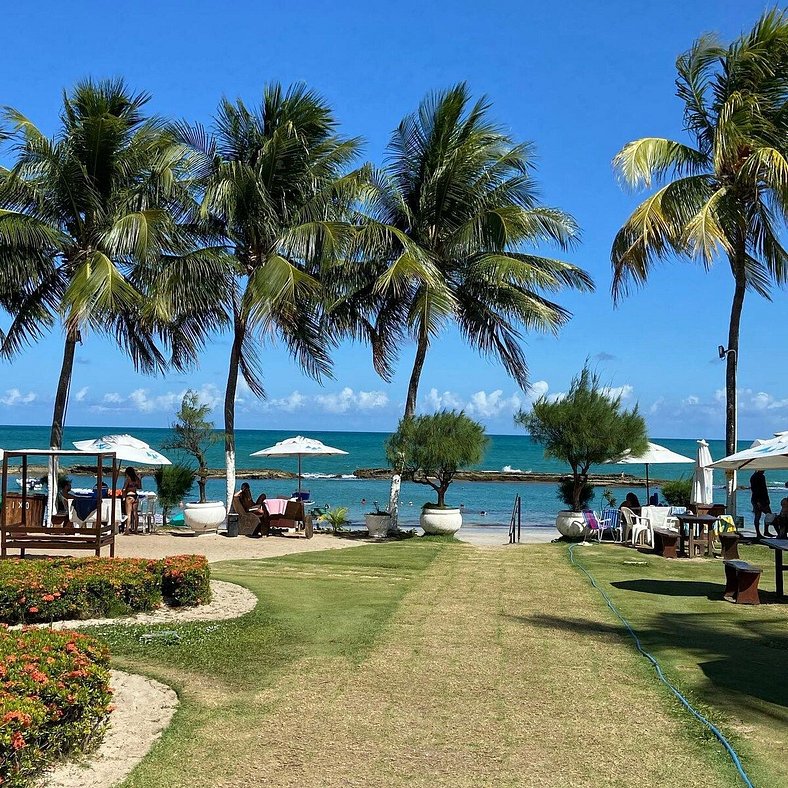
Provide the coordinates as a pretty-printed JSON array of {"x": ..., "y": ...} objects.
[{"x": 330, "y": 480}]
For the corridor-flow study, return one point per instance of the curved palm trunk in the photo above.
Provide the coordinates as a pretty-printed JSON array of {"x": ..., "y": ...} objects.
[
  {"x": 229, "y": 408},
  {"x": 732, "y": 360},
  {"x": 415, "y": 375},
  {"x": 410, "y": 410},
  {"x": 63, "y": 386}
]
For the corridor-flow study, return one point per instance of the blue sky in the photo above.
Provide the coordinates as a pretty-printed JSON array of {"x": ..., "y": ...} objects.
[{"x": 579, "y": 79}]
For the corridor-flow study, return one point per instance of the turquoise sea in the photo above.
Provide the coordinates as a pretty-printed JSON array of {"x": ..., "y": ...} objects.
[{"x": 330, "y": 479}]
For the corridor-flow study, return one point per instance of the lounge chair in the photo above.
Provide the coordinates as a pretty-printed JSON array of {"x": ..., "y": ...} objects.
[{"x": 248, "y": 522}]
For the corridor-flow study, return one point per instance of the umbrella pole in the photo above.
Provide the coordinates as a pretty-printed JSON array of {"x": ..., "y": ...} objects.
[
  {"x": 299, "y": 477},
  {"x": 648, "y": 490}
]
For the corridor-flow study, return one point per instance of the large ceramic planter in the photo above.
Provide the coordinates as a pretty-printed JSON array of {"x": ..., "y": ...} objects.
[
  {"x": 378, "y": 524},
  {"x": 570, "y": 524},
  {"x": 440, "y": 521},
  {"x": 204, "y": 517}
]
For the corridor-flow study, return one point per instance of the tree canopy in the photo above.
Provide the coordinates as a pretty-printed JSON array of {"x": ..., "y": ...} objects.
[
  {"x": 587, "y": 426},
  {"x": 430, "y": 449}
]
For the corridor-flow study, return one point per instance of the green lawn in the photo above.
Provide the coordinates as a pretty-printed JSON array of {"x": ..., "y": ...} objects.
[
  {"x": 434, "y": 663},
  {"x": 731, "y": 659}
]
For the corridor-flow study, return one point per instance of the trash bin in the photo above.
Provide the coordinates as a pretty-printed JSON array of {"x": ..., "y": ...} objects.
[{"x": 232, "y": 525}]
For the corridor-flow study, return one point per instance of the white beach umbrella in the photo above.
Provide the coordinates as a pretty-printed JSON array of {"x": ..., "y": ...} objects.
[
  {"x": 763, "y": 455},
  {"x": 653, "y": 455},
  {"x": 703, "y": 480},
  {"x": 126, "y": 447},
  {"x": 298, "y": 447}
]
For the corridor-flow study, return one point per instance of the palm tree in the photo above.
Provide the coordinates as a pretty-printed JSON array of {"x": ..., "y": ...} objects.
[
  {"x": 81, "y": 216},
  {"x": 457, "y": 205},
  {"x": 727, "y": 194},
  {"x": 275, "y": 184}
]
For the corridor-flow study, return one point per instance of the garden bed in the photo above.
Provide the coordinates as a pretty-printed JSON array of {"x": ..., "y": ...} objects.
[
  {"x": 54, "y": 700},
  {"x": 46, "y": 590}
]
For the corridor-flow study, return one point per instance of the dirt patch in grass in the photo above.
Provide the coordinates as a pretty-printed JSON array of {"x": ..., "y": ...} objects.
[{"x": 462, "y": 682}]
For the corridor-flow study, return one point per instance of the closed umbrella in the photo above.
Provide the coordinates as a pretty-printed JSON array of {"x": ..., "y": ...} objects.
[
  {"x": 126, "y": 447},
  {"x": 298, "y": 446},
  {"x": 654, "y": 454},
  {"x": 703, "y": 480}
]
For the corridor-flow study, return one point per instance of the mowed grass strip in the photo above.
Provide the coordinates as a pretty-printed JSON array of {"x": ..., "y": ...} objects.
[
  {"x": 448, "y": 665},
  {"x": 730, "y": 659}
]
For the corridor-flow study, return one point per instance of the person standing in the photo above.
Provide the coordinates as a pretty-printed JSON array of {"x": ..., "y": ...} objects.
[{"x": 760, "y": 498}]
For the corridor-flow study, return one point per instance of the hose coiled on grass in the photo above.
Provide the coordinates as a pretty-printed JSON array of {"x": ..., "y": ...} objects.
[{"x": 661, "y": 676}]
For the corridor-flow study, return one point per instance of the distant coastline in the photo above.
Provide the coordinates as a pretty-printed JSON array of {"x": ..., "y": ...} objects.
[{"x": 526, "y": 477}]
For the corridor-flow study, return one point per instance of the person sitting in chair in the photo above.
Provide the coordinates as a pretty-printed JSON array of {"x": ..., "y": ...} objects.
[
  {"x": 63, "y": 494},
  {"x": 631, "y": 502},
  {"x": 245, "y": 505},
  {"x": 780, "y": 522}
]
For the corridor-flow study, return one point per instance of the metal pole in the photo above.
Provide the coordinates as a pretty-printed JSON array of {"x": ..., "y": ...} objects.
[{"x": 299, "y": 477}]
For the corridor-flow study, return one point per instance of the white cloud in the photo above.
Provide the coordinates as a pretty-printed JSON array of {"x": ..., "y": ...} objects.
[
  {"x": 625, "y": 391},
  {"x": 346, "y": 399},
  {"x": 81, "y": 394},
  {"x": 538, "y": 389},
  {"x": 492, "y": 405},
  {"x": 292, "y": 402},
  {"x": 447, "y": 400},
  {"x": 480, "y": 404},
  {"x": 142, "y": 401},
  {"x": 16, "y": 397}
]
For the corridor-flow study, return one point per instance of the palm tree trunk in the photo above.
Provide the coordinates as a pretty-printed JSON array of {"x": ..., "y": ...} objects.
[
  {"x": 229, "y": 408},
  {"x": 410, "y": 410},
  {"x": 63, "y": 386},
  {"x": 415, "y": 375},
  {"x": 732, "y": 361}
]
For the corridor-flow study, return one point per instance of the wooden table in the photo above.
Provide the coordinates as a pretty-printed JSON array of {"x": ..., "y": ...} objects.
[
  {"x": 778, "y": 545},
  {"x": 690, "y": 521}
]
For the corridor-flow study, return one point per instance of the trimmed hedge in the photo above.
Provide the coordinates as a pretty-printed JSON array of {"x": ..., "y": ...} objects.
[
  {"x": 54, "y": 700},
  {"x": 58, "y": 589}
]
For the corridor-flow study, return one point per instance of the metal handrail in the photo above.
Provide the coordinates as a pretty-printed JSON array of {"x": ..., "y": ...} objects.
[{"x": 516, "y": 521}]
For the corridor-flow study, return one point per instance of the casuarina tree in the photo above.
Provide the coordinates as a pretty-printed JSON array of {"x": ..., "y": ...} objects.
[{"x": 586, "y": 426}]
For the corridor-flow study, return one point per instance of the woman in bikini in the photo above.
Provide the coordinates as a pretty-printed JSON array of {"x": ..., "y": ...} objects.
[{"x": 130, "y": 493}]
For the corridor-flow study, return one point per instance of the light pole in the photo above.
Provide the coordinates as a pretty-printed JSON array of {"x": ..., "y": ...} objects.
[{"x": 730, "y": 476}]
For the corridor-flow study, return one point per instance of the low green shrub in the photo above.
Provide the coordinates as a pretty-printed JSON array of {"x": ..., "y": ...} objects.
[
  {"x": 186, "y": 580},
  {"x": 677, "y": 492},
  {"x": 43, "y": 590},
  {"x": 54, "y": 700}
]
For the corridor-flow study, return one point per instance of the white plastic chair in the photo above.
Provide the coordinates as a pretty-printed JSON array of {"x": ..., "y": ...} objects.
[{"x": 638, "y": 527}]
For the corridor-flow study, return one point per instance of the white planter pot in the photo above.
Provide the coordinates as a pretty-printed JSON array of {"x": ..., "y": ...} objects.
[
  {"x": 440, "y": 521},
  {"x": 204, "y": 517},
  {"x": 378, "y": 524},
  {"x": 570, "y": 524}
]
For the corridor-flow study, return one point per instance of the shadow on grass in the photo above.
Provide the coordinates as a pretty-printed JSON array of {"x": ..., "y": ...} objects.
[
  {"x": 748, "y": 658},
  {"x": 672, "y": 588}
]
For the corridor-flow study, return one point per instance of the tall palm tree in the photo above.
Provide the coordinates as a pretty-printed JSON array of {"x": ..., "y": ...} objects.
[
  {"x": 275, "y": 183},
  {"x": 727, "y": 194},
  {"x": 78, "y": 214},
  {"x": 457, "y": 204}
]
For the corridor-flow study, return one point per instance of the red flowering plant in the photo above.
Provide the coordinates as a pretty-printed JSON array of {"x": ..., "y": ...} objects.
[
  {"x": 186, "y": 580},
  {"x": 44, "y": 590},
  {"x": 54, "y": 699}
]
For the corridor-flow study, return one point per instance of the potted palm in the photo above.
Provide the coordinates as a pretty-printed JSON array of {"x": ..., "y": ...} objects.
[
  {"x": 430, "y": 450},
  {"x": 192, "y": 433},
  {"x": 586, "y": 427}
]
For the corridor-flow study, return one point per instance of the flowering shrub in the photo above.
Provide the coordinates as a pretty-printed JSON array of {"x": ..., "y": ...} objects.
[
  {"x": 54, "y": 699},
  {"x": 186, "y": 580},
  {"x": 44, "y": 590}
]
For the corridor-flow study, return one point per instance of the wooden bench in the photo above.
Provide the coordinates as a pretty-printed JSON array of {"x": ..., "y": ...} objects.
[
  {"x": 741, "y": 582},
  {"x": 93, "y": 536},
  {"x": 666, "y": 542}
]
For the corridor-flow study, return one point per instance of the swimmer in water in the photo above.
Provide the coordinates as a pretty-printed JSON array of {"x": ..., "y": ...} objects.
[{"x": 482, "y": 512}]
